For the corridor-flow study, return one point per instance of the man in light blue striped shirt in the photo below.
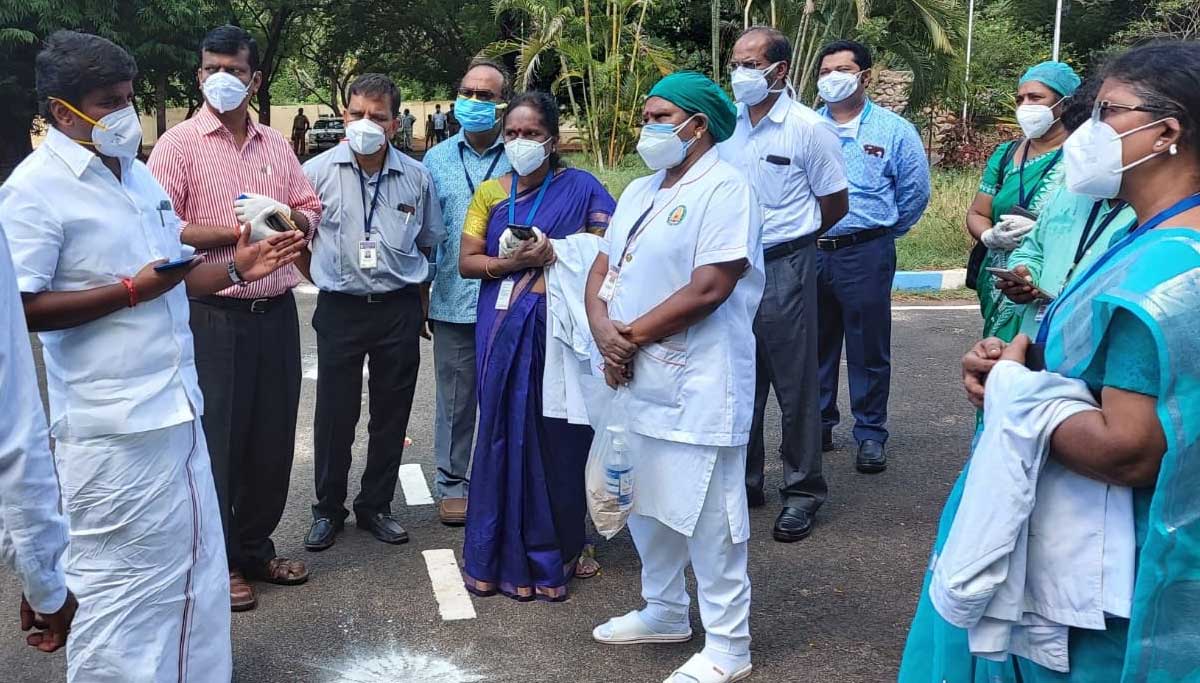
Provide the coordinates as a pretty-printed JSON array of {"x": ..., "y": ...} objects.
[{"x": 889, "y": 190}]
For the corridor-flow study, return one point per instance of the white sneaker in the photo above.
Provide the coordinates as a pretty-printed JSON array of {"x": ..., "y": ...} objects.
[{"x": 701, "y": 669}]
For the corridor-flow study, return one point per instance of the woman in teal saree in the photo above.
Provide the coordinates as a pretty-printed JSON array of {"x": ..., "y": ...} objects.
[{"x": 1130, "y": 328}]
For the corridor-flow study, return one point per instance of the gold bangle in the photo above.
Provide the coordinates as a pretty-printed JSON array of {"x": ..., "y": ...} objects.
[{"x": 488, "y": 271}]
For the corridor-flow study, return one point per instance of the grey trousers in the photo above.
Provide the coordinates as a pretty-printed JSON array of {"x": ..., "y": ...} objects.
[
  {"x": 786, "y": 336},
  {"x": 454, "y": 420}
]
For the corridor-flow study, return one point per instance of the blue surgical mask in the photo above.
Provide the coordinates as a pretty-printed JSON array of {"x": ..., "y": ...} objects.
[{"x": 475, "y": 116}]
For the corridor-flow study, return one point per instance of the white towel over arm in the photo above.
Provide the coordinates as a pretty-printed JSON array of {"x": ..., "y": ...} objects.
[{"x": 571, "y": 354}]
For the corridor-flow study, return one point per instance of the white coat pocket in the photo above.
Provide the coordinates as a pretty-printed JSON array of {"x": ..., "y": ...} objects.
[{"x": 658, "y": 372}]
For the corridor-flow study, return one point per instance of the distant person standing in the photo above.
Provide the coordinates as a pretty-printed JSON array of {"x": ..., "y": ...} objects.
[
  {"x": 452, "y": 125},
  {"x": 407, "y": 121},
  {"x": 300, "y": 126},
  {"x": 856, "y": 259},
  {"x": 471, "y": 158},
  {"x": 790, "y": 154},
  {"x": 430, "y": 136},
  {"x": 439, "y": 123}
]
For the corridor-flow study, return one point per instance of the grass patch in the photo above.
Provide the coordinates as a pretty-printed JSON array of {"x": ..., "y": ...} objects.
[
  {"x": 961, "y": 295},
  {"x": 939, "y": 241}
]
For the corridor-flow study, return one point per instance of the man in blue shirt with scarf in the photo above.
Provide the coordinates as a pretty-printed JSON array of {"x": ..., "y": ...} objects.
[{"x": 889, "y": 189}]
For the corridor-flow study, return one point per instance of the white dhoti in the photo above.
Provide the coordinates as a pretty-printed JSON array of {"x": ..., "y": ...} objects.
[
  {"x": 690, "y": 507},
  {"x": 146, "y": 558}
]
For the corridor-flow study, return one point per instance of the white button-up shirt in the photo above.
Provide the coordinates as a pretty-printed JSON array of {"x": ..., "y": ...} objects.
[
  {"x": 33, "y": 533},
  {"x": 790, "y": 158},
  {"x": 695, "y": 387},
  {"x": 71, "y": 225}
]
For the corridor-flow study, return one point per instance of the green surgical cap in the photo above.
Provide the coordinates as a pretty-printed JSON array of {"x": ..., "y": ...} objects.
[
  {"x": 697, "y": 94},
  {"x": 1057, "y": 76}
]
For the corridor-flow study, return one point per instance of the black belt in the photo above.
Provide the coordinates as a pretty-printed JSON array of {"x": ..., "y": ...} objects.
[
  {"x": 781, "y": 250},
  {"x": 256, "y": 306},
  {"x": 843, "y": 241},
  {"x": 373, "y": 298}
]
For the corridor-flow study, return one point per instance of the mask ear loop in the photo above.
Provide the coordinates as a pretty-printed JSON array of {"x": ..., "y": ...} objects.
[{"x": 1174, "y": 149}]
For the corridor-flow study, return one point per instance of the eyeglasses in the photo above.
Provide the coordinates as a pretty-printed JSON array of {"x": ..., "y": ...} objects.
[
  {"x": 1101, "y": 107},
  {"x": 482, "y": 95}
]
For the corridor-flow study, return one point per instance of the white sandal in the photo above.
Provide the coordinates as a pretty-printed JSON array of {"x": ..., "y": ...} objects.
[
  {"x": 701, "y": 669},
  {"x": 631, "y": 630}
]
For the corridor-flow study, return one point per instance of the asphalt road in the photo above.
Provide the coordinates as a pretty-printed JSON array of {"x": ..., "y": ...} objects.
[{"x": 834, "y": 607}]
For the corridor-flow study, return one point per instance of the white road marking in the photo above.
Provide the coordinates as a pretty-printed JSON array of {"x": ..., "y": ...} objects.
[
  {"x": 412, "y": 480},
  {"x": 966, "y": 307},
  {"x": 454, "y": 603}
]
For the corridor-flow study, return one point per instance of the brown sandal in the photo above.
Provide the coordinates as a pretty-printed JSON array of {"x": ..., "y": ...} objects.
[
  {"x": 586, "y": 566},
  {"x": 241, "y": 593},
  {"x": 283, "y": 572}
]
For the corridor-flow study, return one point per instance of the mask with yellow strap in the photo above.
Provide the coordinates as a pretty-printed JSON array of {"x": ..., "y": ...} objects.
[{"x": 119, "y": 134}]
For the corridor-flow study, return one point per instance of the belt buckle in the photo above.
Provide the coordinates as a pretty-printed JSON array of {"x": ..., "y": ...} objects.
[
  {"x": 259, "y": 306},
  {"x": 827, "y": 243},
  {"x": 374, "y": 298}
]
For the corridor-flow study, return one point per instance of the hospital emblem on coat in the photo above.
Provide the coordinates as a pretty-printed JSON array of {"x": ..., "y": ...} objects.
[{"x": 677, "y": 214}]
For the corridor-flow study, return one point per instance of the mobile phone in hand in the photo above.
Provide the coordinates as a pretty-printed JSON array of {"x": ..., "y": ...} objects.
[
  {"x": 172, "y": 265},
  {"x": 522, "y": 232}
]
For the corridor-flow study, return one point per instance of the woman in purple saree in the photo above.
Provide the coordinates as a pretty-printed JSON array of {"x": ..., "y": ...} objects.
[{"x": 526, "y": 507}]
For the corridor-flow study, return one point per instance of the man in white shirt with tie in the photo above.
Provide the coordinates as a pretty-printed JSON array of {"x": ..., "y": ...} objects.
[{"x": 98, "y": 260}]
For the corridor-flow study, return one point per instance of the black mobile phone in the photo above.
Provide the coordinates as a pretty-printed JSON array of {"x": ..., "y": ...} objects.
[
  {"x": 280, "y": 223},
  {"x": 522, "y": 232},
  {"x": 172, "y": 265},
  {"x": 1019, "y": 210}
]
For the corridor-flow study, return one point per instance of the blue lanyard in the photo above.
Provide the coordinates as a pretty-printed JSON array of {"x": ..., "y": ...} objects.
[
  {"x": 537, "y": 201},
  {"x": 1185, "y": 204},
  {"x": 491, "y": 169},
  {"x": 362, "y": 185}
]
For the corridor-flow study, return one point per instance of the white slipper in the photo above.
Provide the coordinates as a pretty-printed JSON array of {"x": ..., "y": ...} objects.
[
  {"x": 700, "y": 669},
  {"x": 631, "y": 630}
]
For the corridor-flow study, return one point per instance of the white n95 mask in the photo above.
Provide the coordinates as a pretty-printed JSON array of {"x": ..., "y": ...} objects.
[
  {"x": 750, "y": 85},
  {"x": 365, "y": 136},
  {"x": 525, "y": 156},
  {"x": 660, "y": 146},
  {"x": 117, "y": 134},
  {"x": 1092, "y": 159},
  {"x": 1035, "y": 119},
  {"x": 224, "y": 91},
  {"x": 837, "y": 86}
]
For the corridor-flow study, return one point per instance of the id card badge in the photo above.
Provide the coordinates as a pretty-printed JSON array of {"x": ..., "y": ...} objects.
[
  {"x": 505, "y": 294},
  {"x": 608, "y": 288},
  {"x": 1041, "y": 312},
  {"x": 368, "y": 254}
]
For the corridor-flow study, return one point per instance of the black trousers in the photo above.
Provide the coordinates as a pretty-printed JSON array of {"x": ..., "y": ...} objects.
[
  {"x": 386, "y": 334},
  {"x": 249, "y": 370},
  {"x": 785, "y": 332}
]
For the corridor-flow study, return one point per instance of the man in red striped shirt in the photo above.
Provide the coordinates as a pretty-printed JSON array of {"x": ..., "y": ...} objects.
[{"x": 247, "y": 337}]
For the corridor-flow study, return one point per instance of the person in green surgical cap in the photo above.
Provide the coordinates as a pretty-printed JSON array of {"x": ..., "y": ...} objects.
[
  {"x": 671, "y": 301},
  {"x": 1020, "y": 176}
]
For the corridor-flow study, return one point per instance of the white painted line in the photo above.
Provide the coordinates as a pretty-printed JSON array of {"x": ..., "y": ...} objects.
[
  {"x": 412, "y": 480},
  {"x": 967, "y": 307},
  {"x": 454, "y": 603}
]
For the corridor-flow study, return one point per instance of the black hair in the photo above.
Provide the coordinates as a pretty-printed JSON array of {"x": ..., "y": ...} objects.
[
  {"x": 779, "y": 48},
  {"x": 546, "y": 106},
  {"x": 230, "y": 40},
  {"x": 506, "y": 89},
  {"x": 72, "y": 64},
  {"x": 862, "y": 55},
  {"x": 377, "y": 85},
  {"x": 1078, "y": 107},
  {"x": 1166, "y": 75}
]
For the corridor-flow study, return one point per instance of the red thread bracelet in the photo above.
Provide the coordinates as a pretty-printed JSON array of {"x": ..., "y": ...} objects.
[{"x": 133, "y": 294}]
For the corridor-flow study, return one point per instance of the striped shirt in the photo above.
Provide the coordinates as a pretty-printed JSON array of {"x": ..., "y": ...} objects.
[{"x": 203, "y": 171}]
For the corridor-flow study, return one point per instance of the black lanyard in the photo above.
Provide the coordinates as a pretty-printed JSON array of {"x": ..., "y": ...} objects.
[
  {"x": 1022, "y": 199},
  {"x": 369, "y": 214},
  {"x": 462, "y": 157},
  {"x": 633, "y": 232},
  {"x": 1088, "y": 239}
]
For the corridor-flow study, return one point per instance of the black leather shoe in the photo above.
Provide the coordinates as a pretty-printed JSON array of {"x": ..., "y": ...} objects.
[
  {"x": 871, "y": 457},
  {"x": 755, "y": 498},
  {"x": 321, "y": 534},
  {"x": 827, "y": 444},
  {"x": 384, "y": 527},
  {"x": 793, "y": 524}
]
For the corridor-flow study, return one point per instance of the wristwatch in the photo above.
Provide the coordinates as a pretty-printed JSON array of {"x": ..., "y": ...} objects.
[{"x": 235, "y": 276}]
